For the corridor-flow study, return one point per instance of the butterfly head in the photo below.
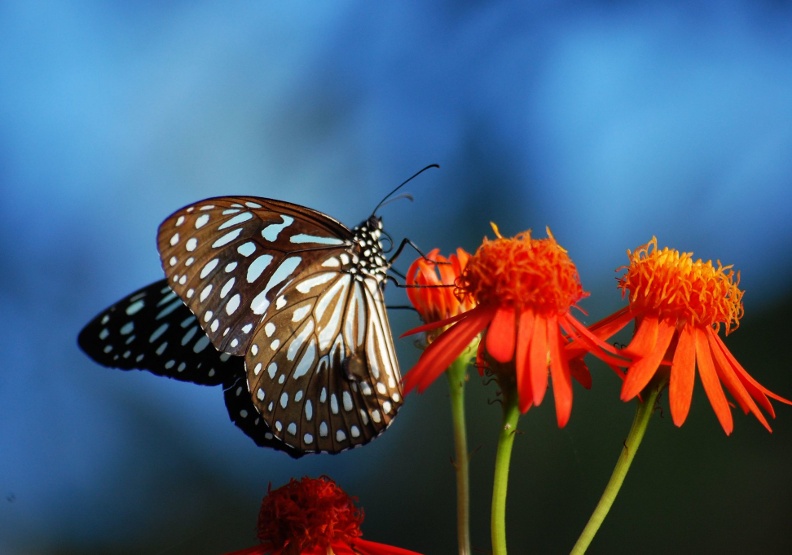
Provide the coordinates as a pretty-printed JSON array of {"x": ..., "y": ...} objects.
[{"x": 367, "y": 255}]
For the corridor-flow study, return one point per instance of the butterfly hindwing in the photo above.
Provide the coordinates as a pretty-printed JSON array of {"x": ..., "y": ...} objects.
[
  {"x": 322, "y": 369},
  {"x": 245, "y": 416}
]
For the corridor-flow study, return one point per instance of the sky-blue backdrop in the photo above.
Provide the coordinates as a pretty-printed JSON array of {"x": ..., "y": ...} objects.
[{"x": 608, "y": 121}]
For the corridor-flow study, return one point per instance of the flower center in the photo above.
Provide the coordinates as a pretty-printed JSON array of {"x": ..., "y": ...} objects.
[
  {"x": 306, "y": 514},
  {"x": 671, "y": 284},
  {"x": 522, "y": 272}
]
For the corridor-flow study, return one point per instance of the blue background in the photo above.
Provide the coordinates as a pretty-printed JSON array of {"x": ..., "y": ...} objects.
[{"x": 608, "y": 121}]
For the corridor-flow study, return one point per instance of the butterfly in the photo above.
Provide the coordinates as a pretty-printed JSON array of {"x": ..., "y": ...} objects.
[{"x": 280, "y": 304}]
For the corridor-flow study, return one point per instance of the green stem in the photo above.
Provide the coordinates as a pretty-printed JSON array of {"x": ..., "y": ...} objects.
[
  {"x": 631, "y": 444},
  {"x": 511, "y": 413},
  {"x": 457, "y": 376}
]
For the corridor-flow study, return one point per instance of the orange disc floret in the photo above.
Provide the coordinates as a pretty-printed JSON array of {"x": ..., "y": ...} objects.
[
  {"x": 670, "y": 284},
  {"x": 520, "y": 272}
]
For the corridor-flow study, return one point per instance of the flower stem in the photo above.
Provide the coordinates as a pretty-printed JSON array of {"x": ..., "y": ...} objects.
[
  {"x": 631, "y": 444},
  {"x": 511, "y": 413},
  {"x": 457, "y": 376}
]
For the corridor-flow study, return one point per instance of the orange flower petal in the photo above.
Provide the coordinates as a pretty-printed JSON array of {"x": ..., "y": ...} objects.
[
  {"x": 439, "y": 355},
  {"x": 601, "y": 331},
  {"x": 580, "y": 372},
  {"x": 591, "y": 344},
  {"x": 712, "y": 387},
  {"x": 559, "y": 369},
  {"x": 733, "y": 384},
  {"x": 645, "y": 337},
  {"x": 726, "y": 364},
  {"x": 758, "y": 391},
  {"x": 639, "y": 373},
  {"x": 501, "y": 335},
  {"x": 538, "y": 357},
  {"x": 523, "y": 363},
  {"x": 434, "y": 325},
  {"x": 683, "y": 373}
]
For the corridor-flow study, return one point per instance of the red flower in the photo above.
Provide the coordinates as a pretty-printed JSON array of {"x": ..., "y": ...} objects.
[
  {"x": 679, "y": 305},
  {"x": 313, "y": 516},
  {"x": 524, "y": 290}
]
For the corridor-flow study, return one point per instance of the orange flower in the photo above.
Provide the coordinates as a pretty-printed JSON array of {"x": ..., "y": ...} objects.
[
  {"x": 430, "y": 285},
  {"x": 679, "y": 306},
  {"x": 524, "y": 290},
  {"x": 313, "y": 516}
]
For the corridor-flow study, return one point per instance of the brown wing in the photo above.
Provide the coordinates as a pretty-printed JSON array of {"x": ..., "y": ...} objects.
[{"x": 228, "y": 257}]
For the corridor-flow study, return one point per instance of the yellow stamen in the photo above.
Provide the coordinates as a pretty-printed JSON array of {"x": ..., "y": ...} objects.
[{"x": 671, "y": 284}]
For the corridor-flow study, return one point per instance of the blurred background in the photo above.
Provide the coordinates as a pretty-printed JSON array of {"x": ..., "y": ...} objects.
[{"x": 609, "y": 122}]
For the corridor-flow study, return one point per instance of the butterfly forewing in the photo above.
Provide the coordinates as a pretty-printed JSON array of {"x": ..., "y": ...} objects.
[
  {"x": 153, "y": 330},
  {"x": 227, "y": 257}
]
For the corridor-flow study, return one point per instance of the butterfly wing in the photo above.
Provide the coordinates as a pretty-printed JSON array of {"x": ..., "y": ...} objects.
[
  {"x": 245, "y": 416},
  {"x": 227, "y": 257},
  {"x": 263, "y": 273},
  {"x": 152, "y": 329},
  {"x": 323, "y": 368}
]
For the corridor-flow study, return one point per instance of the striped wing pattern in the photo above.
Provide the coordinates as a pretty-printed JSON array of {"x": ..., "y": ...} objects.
[
  {"x": 300, "y": 297},
  {"x": 322, "y": 368}
]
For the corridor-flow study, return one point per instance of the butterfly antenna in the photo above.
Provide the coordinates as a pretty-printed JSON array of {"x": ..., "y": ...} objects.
[{"x": 413, "y": 176}]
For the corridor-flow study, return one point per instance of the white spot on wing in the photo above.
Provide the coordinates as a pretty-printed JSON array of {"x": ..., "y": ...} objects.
[
  {"x": 307, "y": 284},
  {"x": 205, "y": 293},
  {"x": 301, "y": 313},
  {"x": 201, "y": 221},
  {"x": 302, "y": 238},
  {"x": 227, "y": 238},
  {"x": 135, "y": 307},
  {"x": 238, "y": 219},
  {"x": 258, "y": 266},
  {"x": 306, "y": 362},
  {"x": 232, "y": 305},
  {"x": 346, "y": 399},
  {"x": 227, "y": 288},
  {"x": 298, "y": 340},
  {"x": 246, "y": 249},
  {"x": 208, "y": 267},
  {"x": 201, "y": 344},
  {"x": 271, "y": 232}
]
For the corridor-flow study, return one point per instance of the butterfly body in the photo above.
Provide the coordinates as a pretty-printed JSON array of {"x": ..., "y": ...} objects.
[{"x": 292, "y": 292}]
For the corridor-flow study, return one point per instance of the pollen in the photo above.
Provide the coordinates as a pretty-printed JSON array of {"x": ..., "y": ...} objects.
[
  {"x": 670, "y": 284},
  {"x": 522, "y": 272}
]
